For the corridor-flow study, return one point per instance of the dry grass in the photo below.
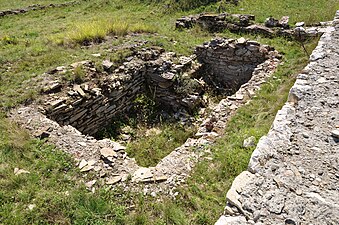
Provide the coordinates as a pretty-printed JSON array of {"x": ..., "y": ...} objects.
[{"x": 96, "y": 31}]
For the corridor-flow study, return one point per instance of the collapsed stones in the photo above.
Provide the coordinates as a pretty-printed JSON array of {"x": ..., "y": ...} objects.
[
  {"x": 107, "y": 65},
  {"x": 249, "y": 142},
  {"x": 34, "y": 8},
  {"x": 113, "y": 180},
  {"x": 245, "y": 24},
  {"x": 53, "y": 87},
  {"x": 335, "y": 133},
  {"x": 18, "y": 171},
  {"x": 108, "y": 152},
  {"x": 214, "y": 22},
  {"x": 272, "y": 22}
]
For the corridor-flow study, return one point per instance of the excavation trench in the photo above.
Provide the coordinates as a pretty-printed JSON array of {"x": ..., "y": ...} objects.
[
  {"x": 173, "y": 84},
  {"x": 72, "y": 114}
]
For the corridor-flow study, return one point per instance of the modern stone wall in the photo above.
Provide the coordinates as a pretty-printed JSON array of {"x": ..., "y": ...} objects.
[{"x": 229, "y": 63}]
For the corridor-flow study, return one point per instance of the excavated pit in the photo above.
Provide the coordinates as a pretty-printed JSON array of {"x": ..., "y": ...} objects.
[
  {"x": 70, "y": 114},
  {"x": 228, "y": 64},
  {"x": 179, "y": 86},
  {"x": 108, "y": 94}
]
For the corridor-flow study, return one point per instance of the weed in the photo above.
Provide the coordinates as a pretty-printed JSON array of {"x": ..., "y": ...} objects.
[
  {"x": 86, "y": 33},
  {"x": 77, "y": 75},
  {"x": 120, "y": 55},
  {"x": 142, "y": 28}
]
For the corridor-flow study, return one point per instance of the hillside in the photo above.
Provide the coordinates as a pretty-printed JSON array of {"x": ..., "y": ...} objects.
[{"x": 67, "y": 50}]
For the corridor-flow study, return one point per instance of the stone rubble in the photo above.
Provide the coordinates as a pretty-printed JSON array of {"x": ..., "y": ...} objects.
[
  {"x": 108, "y": 159},
  {"x": 244, "y": 23},
  {"x": 272, "y": 22},
  {"x": 249, "y": 142},
  {"x": 35, "y": 7},
  {"x": 293, "y": 173}
]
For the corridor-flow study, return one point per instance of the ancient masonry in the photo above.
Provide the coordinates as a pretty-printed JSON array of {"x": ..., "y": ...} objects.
[
  {"x": 227, "y": 66},
  {"x": 244, "y": 23},
  {"x": 66, "y": 109},
  {"x": 91, "y": 105},
  {"x": 34, "y": 8},
  {"x": 293, "y": 173}
]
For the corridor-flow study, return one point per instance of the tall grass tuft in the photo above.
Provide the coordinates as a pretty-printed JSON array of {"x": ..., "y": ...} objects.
[
  {"x": 95, "y": 32},
  {"x": 88, "y": 32}
]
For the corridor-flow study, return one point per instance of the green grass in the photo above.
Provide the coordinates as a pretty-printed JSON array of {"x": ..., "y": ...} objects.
[
  {"x": 203, "y": 197},
  {"x": 309, "y": 11},
  {"x": 54, "y": 184},
  {"x": 18, "y": 4},
  {"x": 149, "y": 149},
  {"x": 151, "y": 137},
  {"x": 97, "y": 31}
]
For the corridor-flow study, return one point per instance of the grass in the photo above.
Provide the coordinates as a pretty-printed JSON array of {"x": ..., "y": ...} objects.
[
  {"x": 18, "y": 4},
  {"x": 150, "y": 136},
  {"x": 97, "y": 31},
  {"x": 303, "y": 10},
  {"x": 149, "y": 149},
  {"x": 54, "y": 185},
  {"x": 203, "y": 197}
]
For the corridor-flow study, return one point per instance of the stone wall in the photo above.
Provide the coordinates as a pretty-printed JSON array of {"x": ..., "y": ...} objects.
[
  {"x": 34, "y": 8},
  {"x": 108, "y": 161},
  {"x": 164, "y": 77},
  {"x": 91, "y": 105},
  {"x": 216, "y": 22},
  {"x": 229, "y": 63},
  {"x": 244, "y": 23},
  {"x": 292, "y": 176}
]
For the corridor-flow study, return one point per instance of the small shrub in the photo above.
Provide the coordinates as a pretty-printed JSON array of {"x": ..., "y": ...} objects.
[{"x": 79, "y": 74}]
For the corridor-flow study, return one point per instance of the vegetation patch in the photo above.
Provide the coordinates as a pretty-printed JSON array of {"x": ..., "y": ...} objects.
[
  {"x": 97, "y": 31},
  {"x": 53, "y": 192},
  {"x": 149, "y": 132}
]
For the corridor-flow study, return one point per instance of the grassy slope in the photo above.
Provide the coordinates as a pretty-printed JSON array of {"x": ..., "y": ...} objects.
[
  {"x": 19, "y": 4},
  {"x": 52, "y": 184}
]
